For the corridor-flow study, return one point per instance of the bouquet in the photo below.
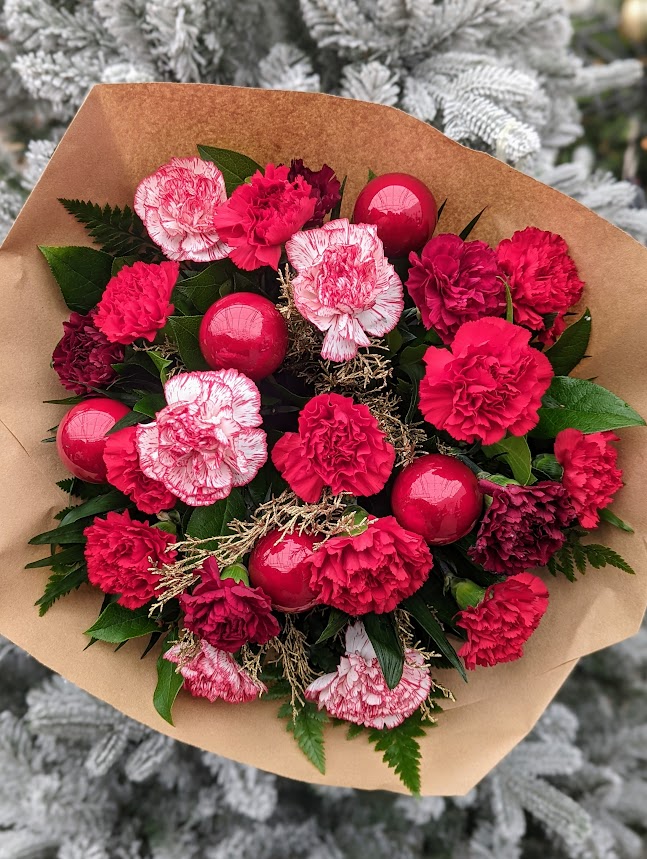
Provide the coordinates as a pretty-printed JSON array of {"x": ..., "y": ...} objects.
[{"x": 318, "y": 459}]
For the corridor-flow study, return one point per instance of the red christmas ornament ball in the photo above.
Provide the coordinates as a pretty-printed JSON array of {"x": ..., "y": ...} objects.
[
  {"x": 437, "y": 497},
  {"x": 402, "y": 208},
  {"x": 244, "y": 331},
  {"x": 81, "y": 437},
  {"x": 275, "y": 565}
]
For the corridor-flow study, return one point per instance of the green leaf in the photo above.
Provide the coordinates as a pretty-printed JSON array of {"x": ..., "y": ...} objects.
[
  {"x": 354, "y": 731},
  {"x": 203, "y": 289},
  {"x": 465, "y": 233},
  {"x": 121, "y": 262},
  {"x": 515, "y": 451},
  {"x": 402, "y": 750},
  {"x": 371, "y": 175},
  {"x": 582, "y": 405},
  {"x": 169, "y": 683},
  {"x": 113, "y": 500},
  {"x": 161, "y": 364},
  {"x": 418, "y": 609},
  {"x": 268, "y": 482},
  {"x": 547, "y": 464},
  {"x": 116, "y": 624},
  {"x": 72, "y": 555},
  {"x": 571, "y": 347},
  {"x": 602, "y": 556},
  {"x": 509, "y": 307},
  {"x": 413, "y": 355},
  {"x": 213, "y": 521},
  {"x": 81, "y": 273},
  {"x": 336, "y": 212},
  {"x": 184, "y": 331},
  {"x": 383, "y": 634},
  {"x": 306, "y": 725},
  {"x": 337, "y": 620},
  {"x": 59, "y": 585},
  {"x": 129, "y": 420},
  {"x": 60, "y": 536},
  {"x": 234, "y": 166},
  {"x": 610, "y": 517},
  {"x": 150, "y": 405},
  {"x": 119, "y": 232},
  {"x": 441, "y": 209}
]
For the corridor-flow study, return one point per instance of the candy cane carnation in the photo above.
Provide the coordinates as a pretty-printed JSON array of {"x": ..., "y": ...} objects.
[
  {"x": 214, "y": 674},
  {"x": 357, "y": 692},
  {"x": 206, "y": 440},
  {"x": 177, "y": 204},
  {"x": 345, "y": 285}
]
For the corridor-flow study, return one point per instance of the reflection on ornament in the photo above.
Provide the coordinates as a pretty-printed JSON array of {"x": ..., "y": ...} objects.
[
  {"x": 437, "y": 497},
  {"x": 402, "y": 208},
  {"x": 81, "y": 437},
  {"x": 244, "y": 331},
  {"x": 275, "y": 566}
]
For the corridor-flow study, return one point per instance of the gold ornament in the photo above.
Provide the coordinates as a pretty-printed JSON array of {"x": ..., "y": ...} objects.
[{"x": 633, "y": 20}]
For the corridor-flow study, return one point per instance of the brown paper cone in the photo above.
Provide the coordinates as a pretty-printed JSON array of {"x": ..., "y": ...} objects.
[{"x": 122, "y": 133}]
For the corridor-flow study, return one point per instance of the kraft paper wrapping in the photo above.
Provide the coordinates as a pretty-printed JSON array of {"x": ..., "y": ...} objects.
[{"x": 121, "y": 134}]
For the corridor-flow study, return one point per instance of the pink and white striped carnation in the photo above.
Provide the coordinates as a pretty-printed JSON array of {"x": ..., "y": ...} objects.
[
  {"x": 345, "y": 285},
  {"x": 206, "y": 440},
  {"x": 214, "y": 674},
  {"x": 177, "y": 204},
  {"x": 357, "y": 692}
]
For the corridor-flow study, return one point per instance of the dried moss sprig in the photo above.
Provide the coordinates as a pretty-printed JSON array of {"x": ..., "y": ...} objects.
[
  {"x": 304, "y": 339},
  {"x": 287, "y": 513},
  {"x": 252, "y": 660},
  {"x": 291, "y": 651},
  {"x": 407, "y": 439},
  {"x": 189, "y": 647}
]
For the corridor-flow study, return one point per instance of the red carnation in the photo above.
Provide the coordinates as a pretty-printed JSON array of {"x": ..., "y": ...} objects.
[
  {"x": 523, "y": 527},
  {"x": 499, "y": 626},
  {"x": 125, "y": 473},
  {"x": 227, "y": 613},
  {"x": 120, "y": 553},
  {"x": 491, "y": 382},
  {"x": 371, "y": 571},
  {"x": 590, "y": 474},
  {"x": 325, "y": 189},
  {"x": 262, "y": 214},
  {"x": 84, "y": 356},
  {"x": 542, "y": 276},
  {"x": 135, "y": 302},
  {"x": 453, "y": 281},
  {"x": 339, "y": 444}
]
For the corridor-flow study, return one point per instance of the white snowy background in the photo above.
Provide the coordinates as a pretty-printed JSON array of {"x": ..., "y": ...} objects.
[{"x": 80, "y": 781}]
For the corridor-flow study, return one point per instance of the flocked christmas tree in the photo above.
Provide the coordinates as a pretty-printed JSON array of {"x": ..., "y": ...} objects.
[{"x": 80, "y": 781}]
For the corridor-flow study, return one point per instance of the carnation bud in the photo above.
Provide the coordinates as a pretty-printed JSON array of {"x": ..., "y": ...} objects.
[
  {"x": 167, "y": 526},
  {"x": 360, "y": 521},
  {"x": 238, "y": 572},
  {"x": 467, "y": 593}
]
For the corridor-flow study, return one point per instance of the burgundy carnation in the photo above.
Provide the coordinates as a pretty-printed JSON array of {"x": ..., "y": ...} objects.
[
  {"x": 490, "y": 383},
  {"x": 523, "y": 527},
  {"x": 499, "y": 626},
  {"x": 227, "y": 613},
  {"x": 84, "y": 356},
  {"x": 325, "y": 189},
  {"x": 261, "y": 215},
  {"x": 590, "y": 474},
  {"x": 120, "y": 553},
  {"x": 135, "y": 302},
  {"x": 339, "y": 444},
  {"x": 371, "y": 571},
  {"x": 125, "y": 473},
  {"x": 542, "y": 276},
  {"x": 453, "y": 281}
]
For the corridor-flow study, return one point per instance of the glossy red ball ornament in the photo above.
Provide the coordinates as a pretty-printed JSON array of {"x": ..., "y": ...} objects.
[
  {"x": 81, "y": 437},
  {"x": 245, "y": 331},
  {"x": 402, "y": 208},
  {"x": 275, "y": 565},
  {"x": 437, "y": 497}
]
